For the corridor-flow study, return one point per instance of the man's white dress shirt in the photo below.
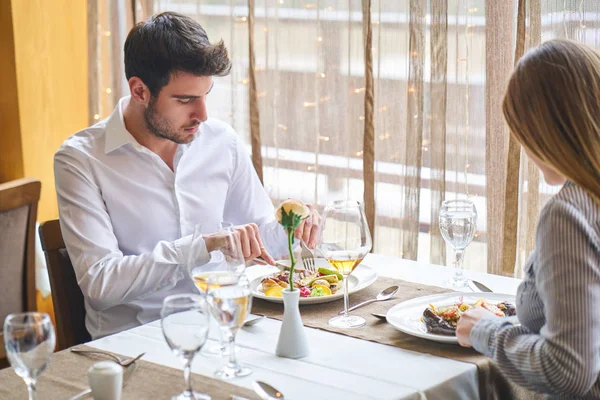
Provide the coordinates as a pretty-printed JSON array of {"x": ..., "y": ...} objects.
[{"x": 127, "y": 219}]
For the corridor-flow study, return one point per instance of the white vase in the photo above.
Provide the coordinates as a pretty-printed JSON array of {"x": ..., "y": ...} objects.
[{"x": 292, "y": 341}]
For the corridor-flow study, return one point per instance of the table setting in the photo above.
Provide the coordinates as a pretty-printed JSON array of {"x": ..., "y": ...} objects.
[{"x": 265, "y": 332}]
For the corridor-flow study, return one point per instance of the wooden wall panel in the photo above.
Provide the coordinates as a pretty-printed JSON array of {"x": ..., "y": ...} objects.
[{"x": 49, "y": 42}]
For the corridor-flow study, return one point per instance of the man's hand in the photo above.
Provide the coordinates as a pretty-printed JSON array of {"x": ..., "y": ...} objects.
[
  {"x": 466, "y": 323},
  {"x": 250, "y": 242},
  {"x": 310, "y": 228}
]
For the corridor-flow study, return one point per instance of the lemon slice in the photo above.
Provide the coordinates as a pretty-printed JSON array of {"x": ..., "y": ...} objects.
[{"x": 274, "y": 291}]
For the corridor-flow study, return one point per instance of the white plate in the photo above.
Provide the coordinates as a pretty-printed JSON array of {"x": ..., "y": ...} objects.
[
  {"x": 362, "y": 277},
  {"x": 406, "y": 316}
]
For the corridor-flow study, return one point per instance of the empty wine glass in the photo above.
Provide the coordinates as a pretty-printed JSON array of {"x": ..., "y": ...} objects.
[
  {"x": 458, "y": 222},
  {"x": 185, "y": 325},
  {"x": 222, "y": 261},
  {"x": 29, "y": 340},
  {"x": 229, "y": 300},
  {"x": 345, "y": 241}
]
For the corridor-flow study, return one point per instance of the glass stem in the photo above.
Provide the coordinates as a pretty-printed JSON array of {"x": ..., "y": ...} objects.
[
  {"x": 187, "y": 369},
  {"x": 458, "y": 275},
  {"x": 346, "y": 296},
  {"x": 32, "y": 389},
  {"x": 232, "y": 360}
]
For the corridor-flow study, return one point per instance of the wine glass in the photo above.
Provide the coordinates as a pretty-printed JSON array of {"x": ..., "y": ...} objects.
[
  {"x": 458, "y": 221},
  {"x": 345, "y": 241},
  {"x": 229, "y": 300},
  {"x": 227, "y": 259},
  {"x": 185, "y": 325},
  {"x": 29, "y": 339}
]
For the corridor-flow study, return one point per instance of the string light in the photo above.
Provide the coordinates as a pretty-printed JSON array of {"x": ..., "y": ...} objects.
[
  {"x": 324, "y": 138},
  {"x": 359, "y": 90},
  {"x": 362, "y": 118},
  {"x": 324, "y": 99},
  {"x": 411, "y": 90},
  {"x": 322, "y": 75},
  {"x": 96, "y": 116},
  {"x": 244, "y": 81},
  {"x": 385, "y": 136},
  {"x": 383, "y": 108},
  {"x": 108, "y": 90},
  {"x": 241, "y": 19},
  {"x": 308, "y": 104},
  {"x": 282, "y": 127},
  {"x": 319, "y": 39},
  {"x": 107, "y": 33},
  {"x": 280, "y": 1},
  {"x": 310, "y": 5},
  {"x": 359, "y": 153},
  {"x": 261, "y": 94}
]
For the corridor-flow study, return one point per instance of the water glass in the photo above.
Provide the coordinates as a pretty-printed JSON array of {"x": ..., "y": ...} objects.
[
  {"x": 185, "y": 325},
  {"x": 29, "y": 339},
  {"x": 458, "y": 223}
]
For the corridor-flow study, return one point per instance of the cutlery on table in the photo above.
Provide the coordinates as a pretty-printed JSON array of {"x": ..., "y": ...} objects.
[
  {"x": 128, "y": 372},
  {"x": 380, "y": 316},
  {"x": 250, "y": 321},
  {"x": 266, "y": 391},
  {"x": 122, "y": 361},
  {"x": 478, "y": 286},
  {"x": 384, "y": 295}
]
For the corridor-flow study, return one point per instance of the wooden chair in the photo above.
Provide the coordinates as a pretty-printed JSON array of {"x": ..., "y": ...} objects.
[
  {"x": 69, "y": 308},
  {"x": 18, "y": 214}
]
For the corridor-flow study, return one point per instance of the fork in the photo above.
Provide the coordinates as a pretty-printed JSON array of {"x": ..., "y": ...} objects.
[
  {"x": 122, "y": 361},
  {"x": 308, "y": 259}
]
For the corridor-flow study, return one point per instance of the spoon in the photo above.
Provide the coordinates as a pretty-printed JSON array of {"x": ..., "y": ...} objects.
[
  {"x": 266, "y": 391},
  {"x": 254, "y": 320},
  {"x": 385, "y": 294},
  {"x": 478, "y": 286}
]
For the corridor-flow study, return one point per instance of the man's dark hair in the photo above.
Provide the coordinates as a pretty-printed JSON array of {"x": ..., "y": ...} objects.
[{"x": 169, "y": 43}]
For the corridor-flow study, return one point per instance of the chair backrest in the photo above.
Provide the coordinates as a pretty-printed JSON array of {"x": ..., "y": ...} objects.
[
  {"x": 69, "y": 308},
  {"x": 18, "y": 214}
]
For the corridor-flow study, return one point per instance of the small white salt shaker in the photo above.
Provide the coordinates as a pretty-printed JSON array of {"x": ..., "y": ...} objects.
[{"x": 106, "y": 380}]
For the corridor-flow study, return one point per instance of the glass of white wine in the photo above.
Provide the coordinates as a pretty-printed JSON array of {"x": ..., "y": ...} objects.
[
  {"x": 345, "y": 241},
  {"x": 229, "y": 300},
  {"x": 222, "y": 263},
  {"x": 458, "y": 223},
  {"x": 29, "y": 340}
]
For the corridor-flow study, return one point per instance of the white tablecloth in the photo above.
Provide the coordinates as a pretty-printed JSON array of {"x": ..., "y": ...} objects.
[{"x": 338, "y": 367}]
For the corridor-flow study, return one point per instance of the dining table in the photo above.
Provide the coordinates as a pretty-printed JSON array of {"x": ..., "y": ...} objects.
[{"x": 338, "y": 366}]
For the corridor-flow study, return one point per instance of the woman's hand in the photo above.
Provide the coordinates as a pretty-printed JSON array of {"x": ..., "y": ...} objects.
[
  {"x": 466, "y": 323},
  {"x": 249, "y": 238}
]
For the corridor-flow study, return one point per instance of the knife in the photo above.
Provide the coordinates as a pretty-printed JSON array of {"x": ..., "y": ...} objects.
[{"x": 128, "y": 372}]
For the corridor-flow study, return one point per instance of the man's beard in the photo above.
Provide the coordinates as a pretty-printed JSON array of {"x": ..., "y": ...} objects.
[{"x": 161, "y": 127}]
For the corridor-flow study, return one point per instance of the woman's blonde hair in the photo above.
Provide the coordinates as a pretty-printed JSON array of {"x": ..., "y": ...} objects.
[{"x": 552, "y": 107}]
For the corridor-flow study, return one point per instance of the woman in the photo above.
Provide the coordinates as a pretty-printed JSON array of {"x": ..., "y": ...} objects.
[{"x": 552, "y": 107}]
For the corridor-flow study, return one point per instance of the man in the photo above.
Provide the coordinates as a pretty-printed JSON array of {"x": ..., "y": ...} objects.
[{"x": 132, "y": 188}]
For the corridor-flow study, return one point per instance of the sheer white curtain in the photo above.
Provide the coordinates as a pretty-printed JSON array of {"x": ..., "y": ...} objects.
[{"x": 439, "y": 69}]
